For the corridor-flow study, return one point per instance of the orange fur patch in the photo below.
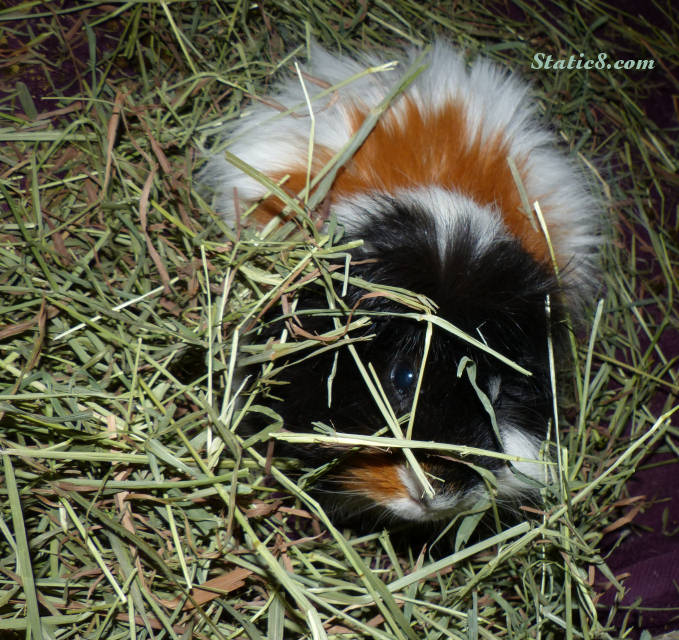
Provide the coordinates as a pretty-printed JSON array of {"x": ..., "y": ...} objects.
[
  {"x": 293, "y": 182},
  {"x": 419, "y": 148},
  {"x": 375, "y": 476}
]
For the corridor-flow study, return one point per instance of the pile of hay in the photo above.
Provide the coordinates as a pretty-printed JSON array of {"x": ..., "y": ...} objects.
[{"x": 133, "y": 506}]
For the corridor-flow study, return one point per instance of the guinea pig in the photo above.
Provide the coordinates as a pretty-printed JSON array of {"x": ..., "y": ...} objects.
[{"x": 441, "y": 193}]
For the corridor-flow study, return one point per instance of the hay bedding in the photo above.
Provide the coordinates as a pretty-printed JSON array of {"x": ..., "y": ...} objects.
[{"x": 125, "y": 490}]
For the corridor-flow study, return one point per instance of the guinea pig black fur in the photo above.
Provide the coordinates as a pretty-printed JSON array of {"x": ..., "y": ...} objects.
[{"x": 431, "y": 194}]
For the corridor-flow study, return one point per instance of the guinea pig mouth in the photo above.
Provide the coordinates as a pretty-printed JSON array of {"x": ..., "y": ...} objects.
[{"x": 386, "y": 481}]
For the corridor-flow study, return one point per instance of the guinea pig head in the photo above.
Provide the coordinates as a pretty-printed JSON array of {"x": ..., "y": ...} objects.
[{"x": 481, "y": 279}]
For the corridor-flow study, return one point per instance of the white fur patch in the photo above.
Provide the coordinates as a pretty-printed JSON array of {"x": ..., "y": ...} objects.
[
  {"x": 448, "y": 209},
  {"x": 417, "y": 507},
  {"x": 517, "y": 443}
]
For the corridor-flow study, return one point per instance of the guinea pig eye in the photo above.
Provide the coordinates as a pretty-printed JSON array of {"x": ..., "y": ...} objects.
[{"x": 403, "y": 376}]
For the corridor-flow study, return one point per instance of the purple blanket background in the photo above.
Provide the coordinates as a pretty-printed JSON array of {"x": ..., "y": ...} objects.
[{"x": 647, "y": 551}]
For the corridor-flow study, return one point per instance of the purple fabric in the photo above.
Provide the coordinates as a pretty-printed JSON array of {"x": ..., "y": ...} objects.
[{"x": 649, "y": 554}]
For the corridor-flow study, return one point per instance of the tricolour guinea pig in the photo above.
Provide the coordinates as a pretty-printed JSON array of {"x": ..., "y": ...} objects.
[{"x": 431, "y": 193}]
